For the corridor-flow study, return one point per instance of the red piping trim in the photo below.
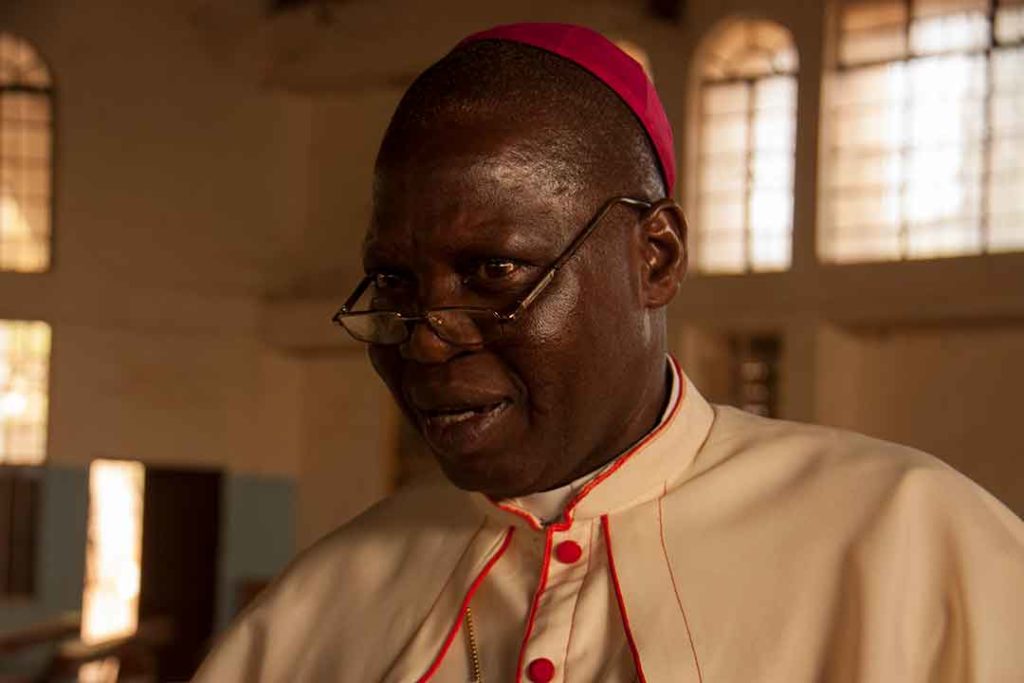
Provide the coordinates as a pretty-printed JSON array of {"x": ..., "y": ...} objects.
[
  {"x": 530, "y": 519},
  {"x": 541, "y": 585},
  {"x": 593, "y": 483},
  {"x": 675, "y": 587},
  {"x": 465, "y": 603},
  {"x": 622, "y": 603}
]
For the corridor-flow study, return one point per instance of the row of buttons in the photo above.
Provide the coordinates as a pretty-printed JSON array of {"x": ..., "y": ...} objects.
[{"x": 542, "y": 669}]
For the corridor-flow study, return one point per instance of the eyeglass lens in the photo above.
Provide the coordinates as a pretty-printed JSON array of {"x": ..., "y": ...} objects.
[{"x": 464, "y": 327}]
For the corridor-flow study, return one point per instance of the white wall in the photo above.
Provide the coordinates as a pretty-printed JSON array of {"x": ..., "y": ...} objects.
[{"x": 179, "y": 179}]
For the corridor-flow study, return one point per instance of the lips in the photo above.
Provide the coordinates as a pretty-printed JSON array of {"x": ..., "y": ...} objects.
[
  {"x": 454, "y": 415},
  {"x": 458, "y": 428}
]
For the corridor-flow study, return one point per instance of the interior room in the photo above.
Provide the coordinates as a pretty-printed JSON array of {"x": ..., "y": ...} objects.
[{"x": 184, "y": 187}]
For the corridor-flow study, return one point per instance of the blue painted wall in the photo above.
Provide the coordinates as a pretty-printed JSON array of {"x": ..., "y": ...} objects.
[
  {"x": 257, "y": 534},
  {"x": 257, "y": 541},
  {"x": 60, "y": 562}
]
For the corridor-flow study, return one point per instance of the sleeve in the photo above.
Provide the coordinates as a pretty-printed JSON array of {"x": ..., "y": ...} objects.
[
  {"x": 984, "y": 597},
  {"x": 938, "y": 584},
  {"x": 239, "y": 654}
]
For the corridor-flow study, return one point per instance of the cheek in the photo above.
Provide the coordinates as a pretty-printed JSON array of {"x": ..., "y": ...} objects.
[
  {"x": 553, "y": 342},
  {"x": 582, "y": 315},
  {"x": 575, "y": 338},
  {"x": 387, "y": 363},
  {"x": 553, "y": 322}
]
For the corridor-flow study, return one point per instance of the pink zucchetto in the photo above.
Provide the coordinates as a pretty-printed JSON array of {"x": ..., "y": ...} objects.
[{"x": 609, "y": 64}]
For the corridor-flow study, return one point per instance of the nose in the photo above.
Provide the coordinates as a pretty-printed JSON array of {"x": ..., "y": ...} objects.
[{"x": 426, "y": 347}]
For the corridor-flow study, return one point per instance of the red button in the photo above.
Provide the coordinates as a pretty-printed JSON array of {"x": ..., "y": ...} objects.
[
  {"x": 568, "y": 551},
  {"x": 541, "y": 670}
]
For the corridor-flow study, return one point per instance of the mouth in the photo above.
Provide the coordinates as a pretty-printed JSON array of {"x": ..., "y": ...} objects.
[
  {"x": 448, "y": 417},
  {"x": 461, "y": 428}
]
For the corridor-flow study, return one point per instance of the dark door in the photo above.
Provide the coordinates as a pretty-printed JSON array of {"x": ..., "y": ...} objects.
[{"x": 180, "y": 550}]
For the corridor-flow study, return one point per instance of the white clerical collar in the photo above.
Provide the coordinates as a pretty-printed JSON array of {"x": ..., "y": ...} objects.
[{"x": 548, "y": 505}]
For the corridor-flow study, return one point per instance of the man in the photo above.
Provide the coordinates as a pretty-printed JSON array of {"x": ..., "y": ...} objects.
[{"x": 612, "y": 525}]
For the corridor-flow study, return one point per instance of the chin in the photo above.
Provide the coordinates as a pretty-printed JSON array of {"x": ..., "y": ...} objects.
[
  {"x": 498, "y": 475},
  {"x": 483, "y": 451}
]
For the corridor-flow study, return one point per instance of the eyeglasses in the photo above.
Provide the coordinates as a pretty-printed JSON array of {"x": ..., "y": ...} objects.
[{"x": 462, "y": 325}]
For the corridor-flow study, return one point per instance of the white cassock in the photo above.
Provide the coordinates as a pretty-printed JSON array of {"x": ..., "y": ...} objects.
[{"x": 722, "y": 548}]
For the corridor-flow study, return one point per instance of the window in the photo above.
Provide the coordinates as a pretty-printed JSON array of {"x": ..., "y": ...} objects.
[
  {"x": 26, "y": 130},
  {"x": 927, "y": 125},
  {"x": 24, "y": 370},
  {"x": 746, "y": 141},
  {"x": 755, "y": 373},
  {"x": 743, "y": 368}
]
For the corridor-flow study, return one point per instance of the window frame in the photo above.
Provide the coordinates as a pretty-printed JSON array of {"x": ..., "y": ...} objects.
[
  {"x": 697, "y": 158},
  {"x": 828, "y": 230},
  {"x": 48, "y": 92}
]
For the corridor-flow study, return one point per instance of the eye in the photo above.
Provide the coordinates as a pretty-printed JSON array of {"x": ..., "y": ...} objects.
[
  {"x": 495, "y": 269},
  {"x": 387, "y": 281}
]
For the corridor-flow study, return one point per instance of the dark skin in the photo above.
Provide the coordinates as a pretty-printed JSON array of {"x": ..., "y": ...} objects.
[{"x": 470, "y": 214}]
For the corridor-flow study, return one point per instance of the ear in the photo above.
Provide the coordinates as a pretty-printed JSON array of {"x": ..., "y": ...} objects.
[{"x": 663, "y": 253}]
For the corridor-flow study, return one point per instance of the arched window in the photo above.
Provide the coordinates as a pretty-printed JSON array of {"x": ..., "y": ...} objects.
[
  {"x": 26, "y": 141},
  {"x": 927, "y": 128},
  {"x": 746, "y": 140}
]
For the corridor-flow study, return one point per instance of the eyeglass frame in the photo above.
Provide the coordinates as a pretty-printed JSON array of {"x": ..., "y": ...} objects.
[{"x": 516, "y": 309}]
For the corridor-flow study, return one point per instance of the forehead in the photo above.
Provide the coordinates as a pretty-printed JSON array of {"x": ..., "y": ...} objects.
[{"x": 473, "y": 183}]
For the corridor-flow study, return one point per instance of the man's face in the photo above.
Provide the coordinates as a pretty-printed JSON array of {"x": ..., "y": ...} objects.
[{"x": 471, "y": 215}]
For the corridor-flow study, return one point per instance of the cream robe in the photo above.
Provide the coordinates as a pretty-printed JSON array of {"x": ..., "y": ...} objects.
[{"x": 724, "y": 548}]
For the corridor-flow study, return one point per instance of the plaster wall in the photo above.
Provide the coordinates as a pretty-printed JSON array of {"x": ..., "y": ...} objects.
[
  {"x": 345, "y": 129},
  {"x": 350, "y": 437},
  {"x": 179, "y": 179}
]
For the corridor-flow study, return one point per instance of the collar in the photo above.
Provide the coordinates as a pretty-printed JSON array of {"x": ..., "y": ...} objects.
[
  {"x": 642, "y": 473},
  {"x": 548, "y": 505}
]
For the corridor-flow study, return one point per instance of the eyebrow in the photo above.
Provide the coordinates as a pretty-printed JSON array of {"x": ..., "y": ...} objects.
[
  {"x": 488, "y": 237},
  {"x": 526, "y": 242}
]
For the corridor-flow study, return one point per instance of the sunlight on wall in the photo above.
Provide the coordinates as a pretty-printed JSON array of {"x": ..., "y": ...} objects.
[
  {"x": 927, "y": 118},
  {"x": 113, "y": 558}
]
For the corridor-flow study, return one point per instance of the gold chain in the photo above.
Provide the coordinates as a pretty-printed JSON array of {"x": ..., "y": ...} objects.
[{"x": 474, "y": 653}]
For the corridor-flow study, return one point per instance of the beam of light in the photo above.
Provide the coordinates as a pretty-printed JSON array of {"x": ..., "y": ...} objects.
[{"x": 113, "y": 559}]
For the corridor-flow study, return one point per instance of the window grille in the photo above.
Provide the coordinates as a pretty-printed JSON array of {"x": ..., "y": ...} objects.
[
  {"x": 746, "y": 142},
  {"x": 26, "y": 135},
  {"x": 24, "y": 393},
  {"x": 755, "y": 373},
  {"x": 927, "y": 128}
]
